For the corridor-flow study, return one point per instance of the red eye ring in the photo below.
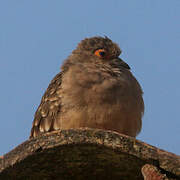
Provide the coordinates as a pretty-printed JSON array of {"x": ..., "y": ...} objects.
[{"x": 101, "y": 53}]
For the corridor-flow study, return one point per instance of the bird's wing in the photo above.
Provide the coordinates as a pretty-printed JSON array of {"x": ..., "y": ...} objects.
[{"x": 49, "y": 108}]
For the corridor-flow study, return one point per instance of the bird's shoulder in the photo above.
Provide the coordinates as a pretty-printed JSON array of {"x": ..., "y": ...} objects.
[{"x": 54, "y": 85}]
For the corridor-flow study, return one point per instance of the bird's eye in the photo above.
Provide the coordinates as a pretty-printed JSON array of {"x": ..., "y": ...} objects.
[{"x": 101, "y": 53}]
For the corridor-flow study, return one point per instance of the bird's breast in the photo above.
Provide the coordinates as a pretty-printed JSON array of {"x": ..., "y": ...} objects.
[
  {"x": 97, "y": 98},
  {"x": 86, "y": 85}
]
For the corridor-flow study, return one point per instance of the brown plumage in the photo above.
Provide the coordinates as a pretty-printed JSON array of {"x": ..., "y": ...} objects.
[{"x": 94, "y": 89}]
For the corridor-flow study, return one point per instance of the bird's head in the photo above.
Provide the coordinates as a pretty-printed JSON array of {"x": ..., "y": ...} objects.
[
  {"x": 98, "y": 50},
  {"x": 98, "y": 47}
]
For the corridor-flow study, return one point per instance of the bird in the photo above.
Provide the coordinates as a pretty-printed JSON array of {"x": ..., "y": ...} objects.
[{"x": 94, "y": 89}]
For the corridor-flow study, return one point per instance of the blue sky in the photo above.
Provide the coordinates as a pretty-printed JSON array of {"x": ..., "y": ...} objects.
[{"x": 36, "y": 36}]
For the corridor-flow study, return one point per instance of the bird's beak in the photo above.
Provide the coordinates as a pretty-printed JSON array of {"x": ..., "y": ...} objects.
[{"x": 123, "y": 64}]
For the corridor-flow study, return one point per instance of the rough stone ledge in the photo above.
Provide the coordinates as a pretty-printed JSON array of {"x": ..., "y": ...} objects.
[{"x": 85, "y": 154}]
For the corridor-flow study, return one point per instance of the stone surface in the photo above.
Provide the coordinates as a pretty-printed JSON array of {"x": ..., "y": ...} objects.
[{"x": 87, "y": 154}]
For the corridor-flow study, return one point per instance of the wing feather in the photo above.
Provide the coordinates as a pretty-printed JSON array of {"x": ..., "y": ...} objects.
[{"x": 48, "y": 109}]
